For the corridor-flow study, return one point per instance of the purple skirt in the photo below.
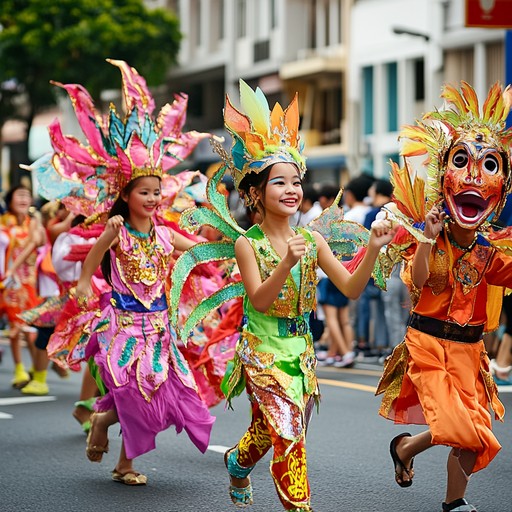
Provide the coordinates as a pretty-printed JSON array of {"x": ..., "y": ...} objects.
[{"x": 172, "y": 404}]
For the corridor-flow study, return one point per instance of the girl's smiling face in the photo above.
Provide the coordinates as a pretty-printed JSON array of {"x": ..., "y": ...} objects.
[
  {"x": 21, "y": 202},
  {"x": 283, "y": 191},
  {"x": 144, "y": 197}
]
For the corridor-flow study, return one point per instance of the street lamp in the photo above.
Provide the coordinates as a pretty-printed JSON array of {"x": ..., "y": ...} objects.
[{"x": 406, "y": 31}]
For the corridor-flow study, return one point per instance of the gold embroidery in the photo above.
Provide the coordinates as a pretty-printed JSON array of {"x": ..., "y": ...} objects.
[
  {"x": 297, "y": 474},
  {"x": 258, "y": 438}
]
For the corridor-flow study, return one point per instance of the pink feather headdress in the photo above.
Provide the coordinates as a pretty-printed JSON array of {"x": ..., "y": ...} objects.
[{"x": 88, "y": 177}]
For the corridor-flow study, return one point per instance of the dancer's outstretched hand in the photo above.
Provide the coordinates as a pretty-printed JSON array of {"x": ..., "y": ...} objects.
[{"x": 382, "y": 232}]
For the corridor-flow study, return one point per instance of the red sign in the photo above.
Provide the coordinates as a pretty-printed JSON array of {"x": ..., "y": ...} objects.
[{"x": 489, "y": 13}]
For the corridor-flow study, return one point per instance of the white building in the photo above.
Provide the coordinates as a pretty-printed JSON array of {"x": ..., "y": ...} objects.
[
  {"x": 282, "y": 46},
  {"x": 401, "y": 52}
]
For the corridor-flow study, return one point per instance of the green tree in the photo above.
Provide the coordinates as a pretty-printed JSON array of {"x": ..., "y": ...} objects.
[{"x": 69, "y": 40}]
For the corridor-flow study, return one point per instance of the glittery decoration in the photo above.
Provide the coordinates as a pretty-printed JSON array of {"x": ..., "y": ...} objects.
[
  {"x": 156, "y": 357},
  {"x": 209, "y": 304},
  {"x": 185, "y": 264},
  {"x": 390, "y": 383},
  {"x": 88, "y": 176},
  {"x": 261, "y": 137},
  {"x": 345, "y": 238},
  {"x": 127, "y": 351},
  {"x": 234, "y": 468},
  {"x": 292, "y": 300},
  {"x": 102, "y": 325},
  {"x": 179, "y": 359},
  {"x": 198, "y": 217},
  {"x": 491, "y": 389},
  {"x": 298, "y": 326},
  {"x": 44, "y": 314},
  {"x": 297, "y": 474}
]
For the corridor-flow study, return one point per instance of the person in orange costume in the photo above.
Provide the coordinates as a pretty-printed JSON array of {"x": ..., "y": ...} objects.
[
  {"x": 439, "y": 375},
  {"x": 20, "y": 235}
]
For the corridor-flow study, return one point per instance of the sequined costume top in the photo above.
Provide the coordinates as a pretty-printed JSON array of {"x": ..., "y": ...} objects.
[
  {"x": 457, "y": 289},
  {"x": 134, "y": 327},
  {"x": 275, "y": 357}
]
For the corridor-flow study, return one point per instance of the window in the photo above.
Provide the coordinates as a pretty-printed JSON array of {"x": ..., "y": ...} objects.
[
  {"x": 419, "y": 79},
  {"x": 367, "y": 106},
  {"x": 392, "y": 93},
  {"x": 241, "y": 25},
  {"x": 261, "y": 51},
  {"x": 273, "y": 14},
  {"x": 197, "y": 16},
  {"x": 331, "y": 118}
]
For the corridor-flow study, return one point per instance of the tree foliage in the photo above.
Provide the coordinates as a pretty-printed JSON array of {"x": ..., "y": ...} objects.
[{"x": 69, "y": 40}]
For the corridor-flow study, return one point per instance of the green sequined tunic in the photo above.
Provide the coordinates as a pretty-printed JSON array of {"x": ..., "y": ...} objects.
[{"x": 275, "y": 359}]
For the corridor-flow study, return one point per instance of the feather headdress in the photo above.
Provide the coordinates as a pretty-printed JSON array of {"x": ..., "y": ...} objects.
[
  {"x": 260, "y": 137},
  {"x": 89, "y": 176},
  {"x": 436, "y": 134}
]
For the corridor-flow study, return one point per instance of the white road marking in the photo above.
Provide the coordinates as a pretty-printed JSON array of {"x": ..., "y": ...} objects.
[
  {"x": 26, "y": 400},
  {"x": 504, "y": 389},
  {"x": 21, "y": 401},
  {"x": 218, "y": 448}
]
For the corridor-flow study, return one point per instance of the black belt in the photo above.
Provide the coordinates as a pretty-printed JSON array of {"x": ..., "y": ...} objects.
[{"x": 446, "y": 330}]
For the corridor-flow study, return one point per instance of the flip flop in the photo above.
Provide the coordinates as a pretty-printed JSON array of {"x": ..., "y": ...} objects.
[
  {"x": 460, "y": 505},
  {"x": 130, "y": 478},
  {"x": 94, "y": 453},
  {"x": 87, "y": 404},
  {"x": 399, "y": 465}
]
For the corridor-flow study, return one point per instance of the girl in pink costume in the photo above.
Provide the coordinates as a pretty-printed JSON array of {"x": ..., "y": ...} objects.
[
  {"x": 150, "y": 386},
  {"x": 119, "y": 170}
]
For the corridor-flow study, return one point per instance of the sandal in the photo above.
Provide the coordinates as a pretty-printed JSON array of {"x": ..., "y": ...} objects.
[
  {"x": 460, "y": 505},
  {"x": 88, "y": 405},
  {"x": 94, "y": 453},
  {"x": 130, "y": 478},
  {"x": 240, "y": 496},
  {"x": 399, "y": 465}
]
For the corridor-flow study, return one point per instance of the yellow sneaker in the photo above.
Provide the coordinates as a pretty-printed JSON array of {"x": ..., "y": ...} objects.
[
  {"x": 21, "y": 377},
  {"x": 36, "y": 388}
]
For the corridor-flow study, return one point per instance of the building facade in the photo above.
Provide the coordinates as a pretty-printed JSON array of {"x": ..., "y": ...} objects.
[
  {"x": 281, "y": 46},
  {"x": 401, "y": 52}
]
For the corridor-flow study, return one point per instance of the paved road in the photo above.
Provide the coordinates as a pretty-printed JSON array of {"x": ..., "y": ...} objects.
[{"x": 43, "y": 466}]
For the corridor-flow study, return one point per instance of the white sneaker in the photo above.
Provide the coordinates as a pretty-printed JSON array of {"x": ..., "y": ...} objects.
[{"x": 346, "y": 361}]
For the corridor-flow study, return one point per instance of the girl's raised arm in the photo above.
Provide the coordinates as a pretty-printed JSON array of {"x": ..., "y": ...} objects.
[
  {"x": 263, "y": 294},
  {"x": 93, "y": 260},
  {"x": 352, "y": 285}
]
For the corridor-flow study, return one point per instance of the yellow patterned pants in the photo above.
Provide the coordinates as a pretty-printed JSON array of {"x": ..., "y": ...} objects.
[{"x": 288, "y": 467}]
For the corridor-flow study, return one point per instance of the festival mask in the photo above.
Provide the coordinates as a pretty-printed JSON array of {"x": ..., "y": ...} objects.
[{"x": 473, "y": 181}]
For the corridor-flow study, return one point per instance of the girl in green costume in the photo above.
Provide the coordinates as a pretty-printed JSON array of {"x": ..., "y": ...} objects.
[{"x": 275, "y": 360}]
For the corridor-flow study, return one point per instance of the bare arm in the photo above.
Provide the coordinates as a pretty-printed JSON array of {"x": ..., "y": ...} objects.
[
  {"x": 420, "y": 263},
  {"x": 107, "y": 239},
  {"x": 182, "y": 243},
  {"x": 60, "y": 227},
  {"x": 263, "y": 294},
  {"x": 352, "y": 285}
]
